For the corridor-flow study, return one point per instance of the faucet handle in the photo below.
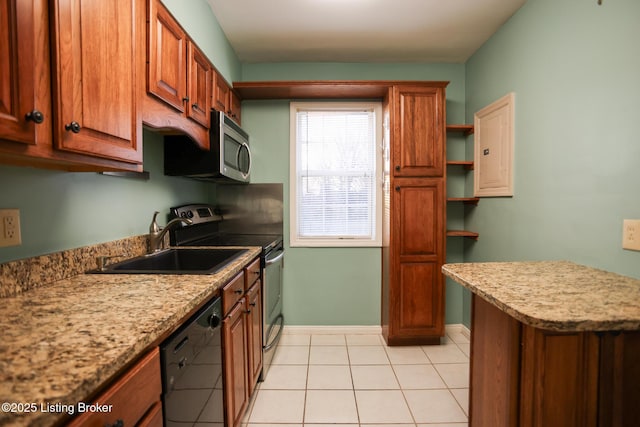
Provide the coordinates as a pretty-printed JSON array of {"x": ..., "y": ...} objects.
[{"x": 154, "y": 227}]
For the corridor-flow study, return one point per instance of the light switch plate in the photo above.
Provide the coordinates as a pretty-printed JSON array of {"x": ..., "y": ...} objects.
[{"x": 631, "y": 234}]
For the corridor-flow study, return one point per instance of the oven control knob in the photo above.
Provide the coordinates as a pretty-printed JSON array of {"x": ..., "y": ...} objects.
[{"x": 214, "y": 321}]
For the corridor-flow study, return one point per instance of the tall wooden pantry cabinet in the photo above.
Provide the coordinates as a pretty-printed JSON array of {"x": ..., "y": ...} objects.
[{"x": 414, "y": 230}]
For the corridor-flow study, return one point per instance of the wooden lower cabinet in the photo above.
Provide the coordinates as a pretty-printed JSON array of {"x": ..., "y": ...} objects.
[
  {"x": 135, "y": 398},
  {"x": 413, "y": 295},
  {"x": 254, "y": 334},
  {"x": 242, "y": 340},
  {"x": 236, "y": 361},
  {"x": 525, "y": 376}
]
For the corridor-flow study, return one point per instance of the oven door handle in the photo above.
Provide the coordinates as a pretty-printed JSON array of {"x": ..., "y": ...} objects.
[
  {"x": 279, "y": 321},
  {"x": 275, "y": 259}
]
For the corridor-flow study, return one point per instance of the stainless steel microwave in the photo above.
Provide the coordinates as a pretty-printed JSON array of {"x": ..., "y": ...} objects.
[{"x": 229, "y": 156}]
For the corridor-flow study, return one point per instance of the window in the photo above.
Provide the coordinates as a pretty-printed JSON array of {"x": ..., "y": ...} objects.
[{"x": 336, "y": 164}]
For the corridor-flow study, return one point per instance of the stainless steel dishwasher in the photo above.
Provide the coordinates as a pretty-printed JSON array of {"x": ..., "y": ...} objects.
[{"x": 191, "y": 361}]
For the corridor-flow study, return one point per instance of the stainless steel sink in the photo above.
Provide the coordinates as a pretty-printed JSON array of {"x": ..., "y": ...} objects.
[{"x": 175, "y": 261}]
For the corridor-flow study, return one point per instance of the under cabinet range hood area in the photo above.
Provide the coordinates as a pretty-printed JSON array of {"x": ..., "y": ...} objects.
[{"x": 228, "y": 157}]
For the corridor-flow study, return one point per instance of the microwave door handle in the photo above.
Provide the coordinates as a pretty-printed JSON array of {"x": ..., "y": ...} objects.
[{"x": 246, "y": 147}]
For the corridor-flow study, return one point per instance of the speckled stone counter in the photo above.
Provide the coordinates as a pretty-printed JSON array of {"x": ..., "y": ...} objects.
[
  {"x": 555, "y": 295},
  {"x": 62, "y": 342}
]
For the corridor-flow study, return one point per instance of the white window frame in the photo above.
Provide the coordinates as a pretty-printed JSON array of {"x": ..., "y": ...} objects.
[{"x": 299, "y": 241}]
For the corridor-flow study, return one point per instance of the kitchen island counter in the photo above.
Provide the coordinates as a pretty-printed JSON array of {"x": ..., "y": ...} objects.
[
  {"x": 552, "y": 343},
  {"x": 63, "y": 342},
  {"x": 555, "y": 295}
]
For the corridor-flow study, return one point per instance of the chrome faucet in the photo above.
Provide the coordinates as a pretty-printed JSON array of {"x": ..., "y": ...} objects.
[{"x": 156, "y": 233}]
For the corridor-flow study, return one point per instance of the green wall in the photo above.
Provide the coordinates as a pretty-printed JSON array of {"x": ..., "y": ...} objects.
[
  {"x": 339, "y": 286},
  {"x": 575, "y": 69},
  {"x": 63, "y": 210}
]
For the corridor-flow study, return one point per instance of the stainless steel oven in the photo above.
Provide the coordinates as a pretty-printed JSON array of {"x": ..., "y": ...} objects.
[
  {"x": 272, "y": 305},
  {"x": 246, "y": 215}
]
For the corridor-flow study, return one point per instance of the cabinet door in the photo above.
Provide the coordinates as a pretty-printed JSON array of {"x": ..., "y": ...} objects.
[
  {"x": 24, "y": 71},
  {"x": 236, "y": 362},
  {"x": 559, "y": 378},
  {"x": 419, "y": 134},
  {"x": 418, "y": 248},
  {"x": 95, "y": 79},
  {"x": 221, "y": 92},
  {"x": 254, "y": 327},
  {"x": 199, "y": 86},
  {"x": 235, "y": 107},
  {"x": 167, "y": 57}
]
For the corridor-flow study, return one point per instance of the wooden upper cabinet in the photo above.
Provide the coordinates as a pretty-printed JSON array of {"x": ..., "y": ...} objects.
[
  {"x": 167, "y": 55},
  {"x": 419, "y": 137},
  {"x": 224, "y": 98},
  {"x": 25, "y": 104},
  {"x": 199, "y": 90},
  {"x": 95, "y": 78},
  {"x": 178, "y": 79},
  {"x": 221, "y": 92}
]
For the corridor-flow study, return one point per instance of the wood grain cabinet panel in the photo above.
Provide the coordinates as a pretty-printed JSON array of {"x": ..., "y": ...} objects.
[
  {"x": 167, "y": 57},
  {"x": 525, "y": 376},
  {"x": 254, "y": 333},
  {"x": 236, "y": 362},
  {"x": 52, "y": 62},
  {"x": 95, "y": 78},
  {"x": 25, "y": 104},
  {"x": 419, "y": 134},
  {"x": 135, "y": 397},
  {"x": 199, "y": 86},
  {"x": 414, "y": 228}
]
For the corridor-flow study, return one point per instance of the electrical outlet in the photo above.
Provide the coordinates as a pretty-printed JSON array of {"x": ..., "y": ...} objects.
[
  {"x": 10, "y": 227},
  {"x": 631, "y": 234}
]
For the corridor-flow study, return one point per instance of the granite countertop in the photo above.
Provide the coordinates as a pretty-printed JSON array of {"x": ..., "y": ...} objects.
[
  {"x": 62, "y": 342},
  {"x": 555, "y": 295}
]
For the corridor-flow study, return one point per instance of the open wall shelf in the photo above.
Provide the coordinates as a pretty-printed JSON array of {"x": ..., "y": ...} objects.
[
  {"x": 463, "y": 233},
  {"x": 465, "y": 130}
]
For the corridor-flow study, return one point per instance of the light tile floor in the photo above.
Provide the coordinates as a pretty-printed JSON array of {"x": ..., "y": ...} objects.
[{"x": 350, "y": 380}]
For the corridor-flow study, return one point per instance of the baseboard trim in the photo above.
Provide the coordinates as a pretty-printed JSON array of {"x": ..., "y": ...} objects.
[
  {"x": 363, "y": 329},
  {"x": 332, "y": 329}
]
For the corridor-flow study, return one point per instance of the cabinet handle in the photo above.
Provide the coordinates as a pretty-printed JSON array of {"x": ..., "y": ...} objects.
[
  {"x": 248, "y": 311},
  {"x": 397, "y": 188},
  {"x": 35, "y": 116},
  {"x": 253, "y": 304},
  {"x": 73, "y": 127},
  {"x": 238, "y": 291},
  {"x": 195, "y": 107},
  {"x": 398, "y": 167},
  {"x": 118, "y": 423},
  {"x": 185, "y": 99}
]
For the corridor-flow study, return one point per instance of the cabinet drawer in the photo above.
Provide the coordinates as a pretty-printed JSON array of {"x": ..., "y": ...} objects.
[
  {"x": 252, "y": 273},
  {"x": 130, "y": 396},
  {"x": 232, "y": 292}
]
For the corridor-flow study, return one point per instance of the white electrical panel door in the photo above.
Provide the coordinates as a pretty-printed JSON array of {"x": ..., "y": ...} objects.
[{"x": 494, "y": 140}]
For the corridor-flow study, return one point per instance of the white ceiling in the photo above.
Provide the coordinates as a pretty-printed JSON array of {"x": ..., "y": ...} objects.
[{"x": 360, "y": 30}]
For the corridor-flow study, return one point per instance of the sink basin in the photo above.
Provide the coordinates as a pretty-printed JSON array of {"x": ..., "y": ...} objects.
[{"x": 175, "y": 261}]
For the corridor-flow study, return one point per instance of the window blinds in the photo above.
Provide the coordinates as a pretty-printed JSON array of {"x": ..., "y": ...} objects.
[{"x": 336, "y": 176}]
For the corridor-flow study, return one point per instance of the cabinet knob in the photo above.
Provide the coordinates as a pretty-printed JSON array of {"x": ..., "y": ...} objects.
[
  {"x": 397, "y": 188},
  {"x": 195, "y": 107},
  {"x": 248, "y": 311},
  {"x": 35, "y": 116},
  {"x": 238, "y": 291},
  {"x": 398, "y": 167},
  {"x": 118, "y": 423},
  {"x": 253, "y": 304},
  {"x": 185, "y": 99},
  {"x": 73, "y": 127}
]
